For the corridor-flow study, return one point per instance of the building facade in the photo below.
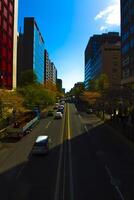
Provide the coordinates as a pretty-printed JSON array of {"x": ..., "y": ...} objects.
[
  {"x": 127, "y": 39},
  {"x": 110, "y": 63},
  {"x": 47, "y": 67},
  {"x": 59, "y": 85},
  {"x": 32, "y": 50},
  {"x": 91, "y": 51},
  {"x": 8, "y": 43},
  {"x": 53, "y": 73}
]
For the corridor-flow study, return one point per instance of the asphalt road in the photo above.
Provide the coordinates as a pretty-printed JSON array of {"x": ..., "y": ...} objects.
[{"x": 83, "y": 164}]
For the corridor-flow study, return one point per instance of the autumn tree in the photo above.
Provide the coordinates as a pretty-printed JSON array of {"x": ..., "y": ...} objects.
[{"x": 27, "y": 77}]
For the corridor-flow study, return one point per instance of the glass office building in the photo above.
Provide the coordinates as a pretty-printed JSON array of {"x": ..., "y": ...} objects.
[
  {"x": 127, "y": 38},
  {"x": 38, "y": 55},
  {"x": 33, "y": 49},
  {"x": 92, "y": 60}
]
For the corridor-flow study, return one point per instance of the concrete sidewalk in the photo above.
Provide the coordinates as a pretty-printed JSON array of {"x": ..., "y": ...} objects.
[{"x": 91, "y": 121}]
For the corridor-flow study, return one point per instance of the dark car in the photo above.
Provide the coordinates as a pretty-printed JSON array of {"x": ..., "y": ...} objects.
[
  {"x": 50, "y": 113},
  {"x": 89, "y": 111},
  {"x": 61, "y": 110},
  {"x": 41, "y": 145}
]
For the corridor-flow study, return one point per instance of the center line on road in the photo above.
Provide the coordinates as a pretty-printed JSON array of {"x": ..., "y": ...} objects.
[{"x": 86, "y": 128}]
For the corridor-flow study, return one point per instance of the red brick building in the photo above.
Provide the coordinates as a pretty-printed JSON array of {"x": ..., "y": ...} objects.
[{"x": 8, "y": 43}]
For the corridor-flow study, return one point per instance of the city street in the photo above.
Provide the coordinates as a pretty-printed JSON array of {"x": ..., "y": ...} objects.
[{"x": 87, "y": 160}]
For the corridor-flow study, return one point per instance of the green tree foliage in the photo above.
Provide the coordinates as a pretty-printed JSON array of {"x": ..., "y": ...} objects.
[
  {"x": 27, "y": 77},
  {"x": 77, "y": 91},
  {"x": 37, "y": 95},
  {"x": 100, "y": 84},
  {"x": 92, "y": 85},
  {"x": 103, "y": 82}
]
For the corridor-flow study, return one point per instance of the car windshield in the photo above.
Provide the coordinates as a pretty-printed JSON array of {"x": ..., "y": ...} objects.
[{"x": 41, "y": 143}]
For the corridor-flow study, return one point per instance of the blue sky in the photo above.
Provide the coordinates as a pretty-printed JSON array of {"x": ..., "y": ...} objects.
[{"x": 66, "y": 26}]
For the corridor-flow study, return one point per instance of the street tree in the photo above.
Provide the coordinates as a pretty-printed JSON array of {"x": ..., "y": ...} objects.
[{"x": 27, "y": 77}]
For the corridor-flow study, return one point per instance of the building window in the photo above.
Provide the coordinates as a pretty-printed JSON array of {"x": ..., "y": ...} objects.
[
  {"x": 6, "y": 2},
  {"x": 11, "y": 8},
  {"x": 132, "y": 43},
  {"x": 5, "y": 12},
  {"x": 126, "y": 73},
  {"x": 0, "y": 6},
  {"x": 10, "y": 19},
  {"x": 5, "y": 25},
  {"x": 125, "y": 48},
  {"x": 0, "y": 21},
  {"x": 4, "y": 38},
  {"x": 4, "y": 52},
  {"x": 114, "y": 70},
  {"x": 10, "y": 31}
]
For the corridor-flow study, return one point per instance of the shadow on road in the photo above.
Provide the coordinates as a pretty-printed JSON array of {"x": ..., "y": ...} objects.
[{"x": 90, "y": 153}]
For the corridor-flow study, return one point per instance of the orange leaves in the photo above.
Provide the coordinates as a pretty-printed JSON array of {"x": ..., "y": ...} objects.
[{"x": 90, "y": 97}]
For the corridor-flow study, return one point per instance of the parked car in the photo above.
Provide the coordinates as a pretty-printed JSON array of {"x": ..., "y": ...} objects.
[
  {"x": 41, "y": 145},
  {"x": 50, "y": 113},
  {"x": 58, "y": 115}
]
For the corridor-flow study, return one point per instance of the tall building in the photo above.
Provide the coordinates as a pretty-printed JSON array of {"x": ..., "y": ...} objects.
[
  {"x": 8, "y": 43},
  {"x": 94, "y": 44},
  {"x": 20, "y": 58},
  {"x": 47, "y": 67},
  {"x": 127, "y": 38},
  {"x": 32, "y": 49},
  {"x": 107, "y": 61},
  {"x": 59, "y": 85},
  {"x": 53, "y": 73}
]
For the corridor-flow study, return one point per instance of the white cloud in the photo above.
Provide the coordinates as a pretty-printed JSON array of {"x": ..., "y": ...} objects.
[
  {"x": 110, "y": 15},
  {"x": 103, "y": 28}
]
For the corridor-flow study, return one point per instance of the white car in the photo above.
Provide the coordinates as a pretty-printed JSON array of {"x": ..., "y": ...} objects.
[
  {"x": 58, "y": 115},
  {"x": 61, "y": 107},
  {"x": 62, "y": 102},
  {"x": 41, "y": 145}
]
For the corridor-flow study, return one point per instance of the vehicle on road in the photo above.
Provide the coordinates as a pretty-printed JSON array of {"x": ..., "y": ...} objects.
[
  {"x": 61, "y": 110},
  {"x": 61, "y": 106},
  {"x": 41, "y": 145},
  {"x": 22, "y": 126},
  {"x": 50, "y": 113},
  {"x": 56, "y": 106},
  {"x": 58, "y": 115},
  {"x": 62, "y": 102},
  {"x": 89, "y": 111}
]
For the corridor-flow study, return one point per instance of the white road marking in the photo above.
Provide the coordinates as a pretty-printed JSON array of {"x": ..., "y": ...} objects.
[
  {"x": 47, "y": 126},
  {"x": 86, "y": 128},
  {"x": 113, "y": 182},
  {"x": 79, "y": 116}
]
